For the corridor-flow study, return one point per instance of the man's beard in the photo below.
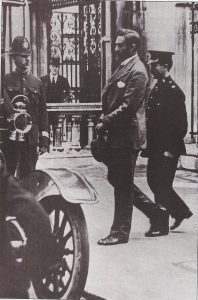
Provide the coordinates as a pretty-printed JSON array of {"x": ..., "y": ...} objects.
[
  {"x": 121, "y": 57},
  {"x": 26, "y": 69},
  {"x": 23, "y": 69}
]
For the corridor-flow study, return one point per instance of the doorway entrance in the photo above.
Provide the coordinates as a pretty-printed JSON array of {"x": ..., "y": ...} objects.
[{"x": 75, "y": 36}]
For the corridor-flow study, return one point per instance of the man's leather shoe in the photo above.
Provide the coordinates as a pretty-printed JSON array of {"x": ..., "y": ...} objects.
[
  {"x": 179, "y": 220},
  {"x": 155, "y": 232},
  {"x": 159, "y": 223},
  {"x": 113, "y": 240}
]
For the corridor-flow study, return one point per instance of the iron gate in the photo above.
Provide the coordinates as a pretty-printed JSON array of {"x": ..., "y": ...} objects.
[{"x": 75, "y": 38}]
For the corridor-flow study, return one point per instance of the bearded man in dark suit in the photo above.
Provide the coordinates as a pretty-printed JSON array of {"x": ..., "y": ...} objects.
[
  {"x": 123, "y": 104},
  {"x": 57, "y": 87}
]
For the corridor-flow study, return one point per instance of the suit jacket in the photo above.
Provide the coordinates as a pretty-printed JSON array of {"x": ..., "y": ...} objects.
[
  {"x": 29, "y": 85},
  {"x": 123, "y": 103},
  {"x": 54, "y": 93},
  {"x": 166, "y": 119}
]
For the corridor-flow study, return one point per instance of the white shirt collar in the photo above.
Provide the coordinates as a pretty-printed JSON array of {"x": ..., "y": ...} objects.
[
  {"x": 55, "y": 77},
  {"x": 128, "y": 60}
]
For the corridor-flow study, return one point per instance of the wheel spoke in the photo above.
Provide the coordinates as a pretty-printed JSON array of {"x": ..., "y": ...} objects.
[
  {"x": 55, "y": 282},
  {"x": 66, "y": 267},
  {"x": 68, "y": 251},
  {"x": 62, "y": 227},
  {"x": 48, "y": 279},
  {"x": 67, "y": 237},
  {"x": 56, "y": 221},
  {"x": 69, "y": 230},
  {"x": 61, "y": 283}
]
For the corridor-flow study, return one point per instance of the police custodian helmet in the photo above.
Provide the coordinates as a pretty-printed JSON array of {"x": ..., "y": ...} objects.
[{"x": 20, "y": 46}]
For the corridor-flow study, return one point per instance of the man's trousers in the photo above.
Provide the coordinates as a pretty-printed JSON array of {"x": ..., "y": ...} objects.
[
  {"x": 22, "y": 156},
  {"x": 121, "y": 168},
  {"x": 160, "y": 176}
]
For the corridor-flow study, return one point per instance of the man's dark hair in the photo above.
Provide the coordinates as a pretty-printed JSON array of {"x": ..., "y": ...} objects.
[{"x": 131, "y": 37}]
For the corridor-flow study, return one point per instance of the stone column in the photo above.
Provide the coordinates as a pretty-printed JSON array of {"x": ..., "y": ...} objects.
[
  {"x": 183, "y": 58},
  {"x": 34, "y": 44},
  {"x": 27, "y": 20},
  {"x": 7, "y": 41},
  {"x": 65, "y": 129},
  {"x": 69, "y": 129},
  {"x": 196, "y": 84},
  {"x": 75, "y": 145},
  {"x": 108, "y": 53},
  {"x": 91, "y": 126},
  {"x": 39, "y": 40},
  {"x": 58, "y": 134},
  {"x": 51, "y": 134}
]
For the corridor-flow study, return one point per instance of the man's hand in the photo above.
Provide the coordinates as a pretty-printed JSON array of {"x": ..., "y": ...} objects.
[
  {"x": 100, "y": 128},
  {"x": 168, "y": 154},
  {"x": 44, "y": 144},
  {"x": 43, "y": 150}
]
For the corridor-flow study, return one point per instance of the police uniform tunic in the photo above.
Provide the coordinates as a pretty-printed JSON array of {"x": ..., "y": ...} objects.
[
  {"x": 16, "y": 83},
  {"x": 166, "y": 129},
  {"x": 166, "y": 119}
]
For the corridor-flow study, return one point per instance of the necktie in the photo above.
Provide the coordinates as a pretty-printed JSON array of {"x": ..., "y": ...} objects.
[
  {"x": 116, "y": 71},
  {"x": 119, "y": 68},
  {"x": 53, "y": 81}
]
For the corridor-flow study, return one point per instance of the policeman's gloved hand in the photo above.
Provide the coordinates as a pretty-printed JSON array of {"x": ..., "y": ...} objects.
[
  {"x": 44, "y": 144},
  {"x": 43, "y": 150},
  {"x": 144, "y": 153},
  {"x": 100, "y": 128}
]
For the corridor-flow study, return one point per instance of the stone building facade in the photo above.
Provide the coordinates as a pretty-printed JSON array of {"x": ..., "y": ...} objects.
[
  {"x": 166, "y": 26},
  {"x": 169, "y": 26}
]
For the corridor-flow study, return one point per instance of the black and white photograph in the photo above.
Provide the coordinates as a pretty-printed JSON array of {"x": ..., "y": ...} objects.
[{"x": 98, "y": 150}]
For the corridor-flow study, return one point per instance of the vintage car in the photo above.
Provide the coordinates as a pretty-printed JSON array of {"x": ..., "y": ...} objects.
[{"x": 61, "y": 192}]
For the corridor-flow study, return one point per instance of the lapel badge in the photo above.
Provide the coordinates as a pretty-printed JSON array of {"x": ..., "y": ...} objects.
[{"x": 120, "y": 84}]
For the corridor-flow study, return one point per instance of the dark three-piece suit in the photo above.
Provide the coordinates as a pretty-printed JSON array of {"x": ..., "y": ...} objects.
[
  {"x": 123, "y": 104},
  {"x": 56, "y": 92}
]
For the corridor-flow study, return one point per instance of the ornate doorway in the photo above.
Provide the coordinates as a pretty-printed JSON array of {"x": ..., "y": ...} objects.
[{"x": 75, "y": 37}]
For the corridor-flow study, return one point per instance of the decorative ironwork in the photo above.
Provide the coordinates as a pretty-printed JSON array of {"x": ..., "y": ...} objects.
[
  {"x": 91, "y": 52},
  {"x": 92, "y": 29},
  {"x": 65, "y": 37},
  {"x": 77, "y": 108},
  {"x": 64, "y": 3},
  {"x": 75, "y": 38}
]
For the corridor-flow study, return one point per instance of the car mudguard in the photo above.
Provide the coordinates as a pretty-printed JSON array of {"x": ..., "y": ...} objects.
[{"x": 70, "y": 184}]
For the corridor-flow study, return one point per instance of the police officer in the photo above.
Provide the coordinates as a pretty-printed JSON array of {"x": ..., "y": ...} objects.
[
  {"x": 21, "y": 81},
  {"x": 166, "y": 129}
]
